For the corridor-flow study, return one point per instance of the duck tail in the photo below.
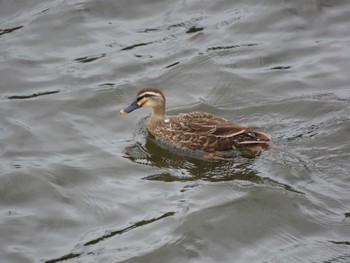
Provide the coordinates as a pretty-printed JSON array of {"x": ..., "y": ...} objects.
[
  {"x": 256, "y": 138},
  {"x": 263, "y": 136}
]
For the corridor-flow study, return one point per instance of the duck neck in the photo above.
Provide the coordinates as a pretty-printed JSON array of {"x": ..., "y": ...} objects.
[{"x": 158, "y": 112}]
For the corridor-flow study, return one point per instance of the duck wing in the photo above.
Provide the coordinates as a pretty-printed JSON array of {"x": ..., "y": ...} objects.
[
  {"x": 203, "y": 123},
  {"x": 208, "y": 125}
]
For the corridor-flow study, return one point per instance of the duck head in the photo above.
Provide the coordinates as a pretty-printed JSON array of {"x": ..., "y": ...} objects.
[{"x": 147, "y": 97}]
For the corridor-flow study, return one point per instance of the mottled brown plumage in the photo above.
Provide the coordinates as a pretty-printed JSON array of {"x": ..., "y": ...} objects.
[{"x": 196, "y": 130}]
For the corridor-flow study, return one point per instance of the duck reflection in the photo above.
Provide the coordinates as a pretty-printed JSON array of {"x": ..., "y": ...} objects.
[
  {"x": 186, "y": 166},
  {"x": 182, "y": 165}
]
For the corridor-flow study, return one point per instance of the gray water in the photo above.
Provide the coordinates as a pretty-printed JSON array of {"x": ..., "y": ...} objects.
[{"x": 80, "y": 183}]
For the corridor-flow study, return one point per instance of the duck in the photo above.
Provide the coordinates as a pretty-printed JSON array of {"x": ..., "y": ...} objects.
[{"x": 196, "y": 131}]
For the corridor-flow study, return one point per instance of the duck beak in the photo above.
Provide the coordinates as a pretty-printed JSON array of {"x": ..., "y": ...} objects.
[{"x": 133, "y": 106}]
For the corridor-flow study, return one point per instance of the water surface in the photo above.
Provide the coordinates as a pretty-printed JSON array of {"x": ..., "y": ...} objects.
[{"x": 79, "y": 183}]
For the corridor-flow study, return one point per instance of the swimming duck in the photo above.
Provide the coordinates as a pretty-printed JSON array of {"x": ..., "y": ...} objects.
[{"x": 195, "y": 130}]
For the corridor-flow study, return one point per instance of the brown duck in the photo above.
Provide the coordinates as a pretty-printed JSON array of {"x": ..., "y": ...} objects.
[{"x": 195, "y": 130}]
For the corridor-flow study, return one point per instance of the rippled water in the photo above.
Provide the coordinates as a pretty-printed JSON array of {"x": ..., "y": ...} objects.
[{"x": 79, "y": 183}]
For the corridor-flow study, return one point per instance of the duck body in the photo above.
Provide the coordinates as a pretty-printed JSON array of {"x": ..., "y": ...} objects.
[{"x": 196, "y": 130}]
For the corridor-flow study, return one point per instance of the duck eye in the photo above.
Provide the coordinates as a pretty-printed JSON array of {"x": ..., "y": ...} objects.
[{"x": 144, "y": 96}]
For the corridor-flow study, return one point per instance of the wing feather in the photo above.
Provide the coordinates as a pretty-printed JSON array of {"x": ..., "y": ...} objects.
[
  {"x": 209, "y": 132},
  {"x": 203, "y": 123}
]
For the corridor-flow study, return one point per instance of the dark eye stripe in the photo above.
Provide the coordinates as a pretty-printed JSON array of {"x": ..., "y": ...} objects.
[{"x": 144, "y": 96}]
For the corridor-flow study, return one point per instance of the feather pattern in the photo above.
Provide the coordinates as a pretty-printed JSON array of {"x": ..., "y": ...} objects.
[{"x": 196, "y": 130}]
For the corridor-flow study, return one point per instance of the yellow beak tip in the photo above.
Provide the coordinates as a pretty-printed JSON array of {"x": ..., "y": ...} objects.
[{"x": 122, "y": 112}]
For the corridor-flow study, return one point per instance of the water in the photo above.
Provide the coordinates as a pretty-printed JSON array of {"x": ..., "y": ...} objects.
[{"x": 79, "y": 183}]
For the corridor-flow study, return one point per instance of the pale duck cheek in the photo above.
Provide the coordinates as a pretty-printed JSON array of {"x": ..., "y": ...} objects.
[{"x": 148, "y": 104}]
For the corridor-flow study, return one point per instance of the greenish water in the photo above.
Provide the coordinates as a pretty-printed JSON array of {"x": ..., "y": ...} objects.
[{"x": 80, "y": 183}]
